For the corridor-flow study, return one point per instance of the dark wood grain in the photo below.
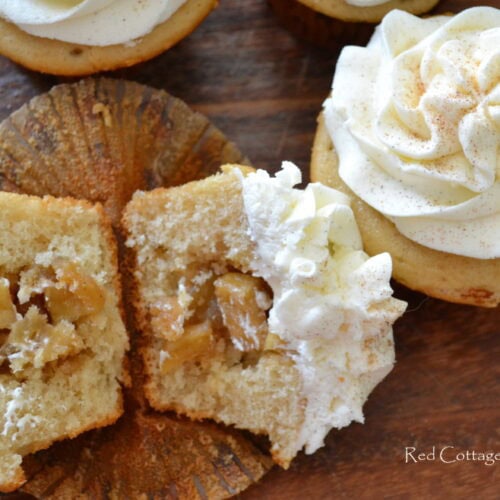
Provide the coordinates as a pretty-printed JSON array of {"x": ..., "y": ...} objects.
[{"x": 264, "y": 88}]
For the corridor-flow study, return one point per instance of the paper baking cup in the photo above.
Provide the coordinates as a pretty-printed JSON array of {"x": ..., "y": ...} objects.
[
  {"x": 102, "y": 139},
  {"x": 319, "y": 29},
  {"x": 344, "y": 9},
  {"x": 332, "y": 24}
]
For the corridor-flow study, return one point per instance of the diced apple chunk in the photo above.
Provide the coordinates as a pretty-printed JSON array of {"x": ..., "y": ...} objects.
[
  {"x": 273, "y": 342},
  {"x": 33, "y": 342},
  {"x": 74, "y": 295},
  {"x": 197, "y": 341},
  {"x": 167, "y": 318},
  {"x": 240, "y": 298},
  {"x": 7, "y": 308}
]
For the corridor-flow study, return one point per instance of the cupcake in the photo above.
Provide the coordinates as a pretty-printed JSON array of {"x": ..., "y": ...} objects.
[
  {"x": 330, "y": 23},
  {"x": 84, "y": 37},
  {"x": 411, "y": 132}
]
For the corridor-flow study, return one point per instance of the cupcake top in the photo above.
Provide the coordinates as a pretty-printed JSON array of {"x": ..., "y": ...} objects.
[
  {"x": 89, "y": 22},
  {"x": 414, "y": 118}
]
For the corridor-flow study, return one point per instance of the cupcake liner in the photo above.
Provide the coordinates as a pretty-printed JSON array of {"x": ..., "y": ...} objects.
[
  {"x": 446, "y": 276},
  {"x": 331, "y": 24},
  {"x": 319, "y": 29},
  {"x": 71, "y": 59},
  {"x": 345, "y": 11},
  {"x": 101, "y": 140},
  {"x": 146, "y": 456}
]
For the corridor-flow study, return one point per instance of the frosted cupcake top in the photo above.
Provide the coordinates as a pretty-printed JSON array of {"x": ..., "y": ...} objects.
[
  {"x": 89, "y": 22},
  {"x": 415, "y": 120}
]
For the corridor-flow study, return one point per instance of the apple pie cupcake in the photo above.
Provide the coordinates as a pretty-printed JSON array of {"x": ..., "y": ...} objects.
[
  {"x": 82, "y": 37},
  {"x": 330, "y": 23},
  {"x": 411, "y": 132},
  {"x": 257, "y": 305}
]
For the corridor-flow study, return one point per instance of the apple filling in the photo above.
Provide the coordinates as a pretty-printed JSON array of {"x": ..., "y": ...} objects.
[
  {"x": 209, "y": 308},
  {"x": 40, "y": 309}
]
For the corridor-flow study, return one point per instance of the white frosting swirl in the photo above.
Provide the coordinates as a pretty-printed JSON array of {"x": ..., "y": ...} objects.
[
  {"x": 415, "y": 120},
  {"x": 88, "y": 22},
  {"x": 332, "y": 305}
]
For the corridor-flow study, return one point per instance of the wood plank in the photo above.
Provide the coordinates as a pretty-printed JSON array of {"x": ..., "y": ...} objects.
[{"x": 264, "y": 88}]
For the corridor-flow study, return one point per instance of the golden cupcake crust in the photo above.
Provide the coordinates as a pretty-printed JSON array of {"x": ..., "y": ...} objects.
[
  {"x": 442, "y": 275},
  {"x": 71, "y": 59}
]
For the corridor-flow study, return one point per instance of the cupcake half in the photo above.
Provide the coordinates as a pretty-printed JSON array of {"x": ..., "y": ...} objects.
[
  {"x": 257, "y": 305},
  {"x": 411, "y": 130},
  {"x": 62, "y": 338},
  {"x": 84, "y": 37}
]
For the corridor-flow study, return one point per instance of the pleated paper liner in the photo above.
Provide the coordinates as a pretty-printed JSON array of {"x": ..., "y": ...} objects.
[
  {"x": 331, "y": 24},
  {"x": 317, "y": 28},
  {"x": 146, "y": 456},
  {"x": 102, "y": 139},
  {"x": 72, "y": 59},
  {"x": 442, "y": 275}
]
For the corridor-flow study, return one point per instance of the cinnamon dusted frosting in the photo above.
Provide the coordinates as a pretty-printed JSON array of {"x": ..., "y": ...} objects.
[
  {"x": 415, "y": 120},
  {"x": 89, "y": 22},
  {"x": 332, "y": 304}
]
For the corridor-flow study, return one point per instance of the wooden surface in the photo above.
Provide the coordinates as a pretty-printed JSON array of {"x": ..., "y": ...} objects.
[{"x": 263, "y": 88}]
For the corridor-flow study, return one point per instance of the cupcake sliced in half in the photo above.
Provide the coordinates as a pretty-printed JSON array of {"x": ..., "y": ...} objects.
[
  {"x": 411, "y": 131},
  {"x": 62, "y": 339},
  {"x": 257, "y": 305},
  {"x": 87, "y": 36}
]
